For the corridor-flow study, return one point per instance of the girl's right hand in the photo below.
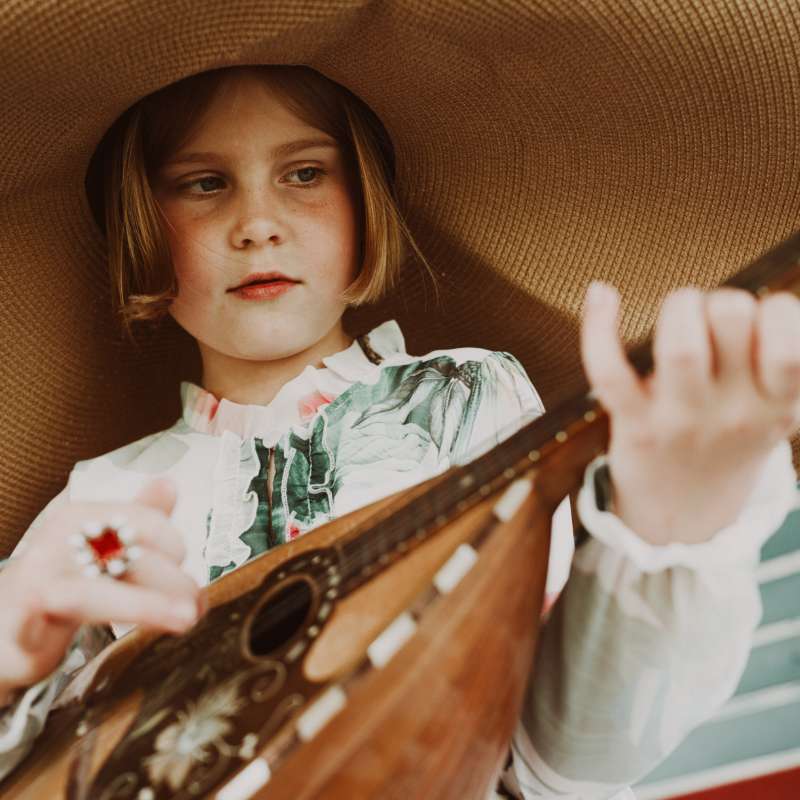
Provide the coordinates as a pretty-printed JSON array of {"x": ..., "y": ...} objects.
[{"x": 45, "y": 596}]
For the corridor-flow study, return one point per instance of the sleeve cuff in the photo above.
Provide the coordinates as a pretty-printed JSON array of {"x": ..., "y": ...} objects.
[
  {"x": 774, "y": 496},
  {"x": 26, "y": 713}
]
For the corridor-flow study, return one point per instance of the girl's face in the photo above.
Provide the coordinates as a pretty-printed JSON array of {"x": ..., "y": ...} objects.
[{"x": 249, "y": 193}]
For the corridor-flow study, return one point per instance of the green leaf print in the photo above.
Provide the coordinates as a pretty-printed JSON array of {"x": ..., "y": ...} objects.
[{"x": 374, "y": 436}]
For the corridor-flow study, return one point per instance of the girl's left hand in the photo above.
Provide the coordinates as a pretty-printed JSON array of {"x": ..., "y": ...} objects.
[{"x": 687, "y": 442}]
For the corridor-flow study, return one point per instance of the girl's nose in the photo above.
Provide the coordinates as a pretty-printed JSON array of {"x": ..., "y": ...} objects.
[
  {"x": 257, "y": 223},
  {"x": 255, "y": 231}
]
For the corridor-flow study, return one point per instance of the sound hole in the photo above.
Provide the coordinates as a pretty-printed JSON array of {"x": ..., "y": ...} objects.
[{"x": 280, "y": 618}]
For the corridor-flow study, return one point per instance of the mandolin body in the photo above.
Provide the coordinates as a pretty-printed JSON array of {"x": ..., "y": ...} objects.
[{"x": 157, "y": 716}]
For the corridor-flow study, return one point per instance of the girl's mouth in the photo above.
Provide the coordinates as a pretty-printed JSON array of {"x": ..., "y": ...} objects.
[{"x": 264, "y": 290}]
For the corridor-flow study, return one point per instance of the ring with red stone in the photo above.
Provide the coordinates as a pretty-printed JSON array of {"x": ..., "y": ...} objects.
[{"x": 105, "y": 548}]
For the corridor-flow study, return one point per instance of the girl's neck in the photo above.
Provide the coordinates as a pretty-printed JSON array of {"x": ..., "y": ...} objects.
[{"x": 249, "y": 382}]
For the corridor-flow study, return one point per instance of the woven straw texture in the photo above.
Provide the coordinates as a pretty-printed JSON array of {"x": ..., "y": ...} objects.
[{"x": 540, "y": 144}]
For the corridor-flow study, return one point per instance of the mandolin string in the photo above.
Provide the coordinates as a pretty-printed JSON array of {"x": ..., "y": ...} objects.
[{"x": 386, "y": 532}]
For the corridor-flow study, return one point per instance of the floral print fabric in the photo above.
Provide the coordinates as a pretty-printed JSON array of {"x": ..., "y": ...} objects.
[{"x": 345, "y": 443}]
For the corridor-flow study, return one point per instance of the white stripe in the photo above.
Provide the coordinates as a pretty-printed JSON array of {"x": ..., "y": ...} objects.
[
  {"x": 779, "y": 567},
  {"x": 707, "y": 779},
  {"x": 776, "y": 632},
  {"x": 761, "y": 700}
]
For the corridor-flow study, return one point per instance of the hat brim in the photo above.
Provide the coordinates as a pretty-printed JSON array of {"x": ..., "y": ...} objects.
[{"x": 538, "y": 146}]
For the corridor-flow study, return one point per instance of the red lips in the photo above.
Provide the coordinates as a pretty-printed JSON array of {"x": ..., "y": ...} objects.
[{"x": 263, "y": 277}]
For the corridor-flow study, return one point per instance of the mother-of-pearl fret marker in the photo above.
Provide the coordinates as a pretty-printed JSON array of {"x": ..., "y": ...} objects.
[
  {"x": 455, "y": 568},
  {"x": 513, "y": 497},
  {"x": 296, "y": 650},
  {"x": 391, "y": 639},
  {"x": 320, "y": 712},
  {"x": 255, "y": 775}
]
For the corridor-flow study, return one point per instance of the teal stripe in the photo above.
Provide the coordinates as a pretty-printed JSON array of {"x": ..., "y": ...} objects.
[
  {"x": 781, "y": 599},
  {"x": 732, "y": 740},
  {"x": 785, "y": 540},
  {"x": 771, "y": 665}
]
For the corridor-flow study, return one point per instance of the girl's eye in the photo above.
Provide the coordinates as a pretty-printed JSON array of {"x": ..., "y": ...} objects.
[
  {"x": 204, "y": 179},
  {"x": 307, "y": 176},
  {"x": 303, "y": 172}
]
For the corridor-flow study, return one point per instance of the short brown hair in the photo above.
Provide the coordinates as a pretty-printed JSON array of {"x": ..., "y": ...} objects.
[{"x": 119, "y": 179}]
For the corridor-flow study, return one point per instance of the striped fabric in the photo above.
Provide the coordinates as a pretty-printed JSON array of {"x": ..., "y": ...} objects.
[{"x": 751, "y": 747}]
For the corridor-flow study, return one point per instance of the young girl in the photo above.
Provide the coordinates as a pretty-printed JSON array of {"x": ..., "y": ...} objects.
[{"x": 273, "y": 190}]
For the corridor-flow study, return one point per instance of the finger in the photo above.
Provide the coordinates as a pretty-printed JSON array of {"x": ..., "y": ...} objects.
[
  {"x": 36, "y": 632},
  {"x": 103, "y": 600},
  {"x": 615, "y": 382},
  {"x": 731, "y": 315},
  {"x": 150, "y": 527},
  {"x": 154, "y": 571},
  {"x": 778, "y": 347},
  {"x": 682, "y": 349},
  {"x": 31, "y": 630},
  {"x": 26, "y": 661}
]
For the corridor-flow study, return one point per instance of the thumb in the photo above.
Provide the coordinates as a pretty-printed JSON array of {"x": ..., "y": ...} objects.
[{"x": 160, "y": 493}]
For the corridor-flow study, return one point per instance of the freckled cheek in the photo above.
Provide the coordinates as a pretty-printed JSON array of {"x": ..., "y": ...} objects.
[
  {"x": 337, "y": 237},
  {"x": 193, "y": 269}
]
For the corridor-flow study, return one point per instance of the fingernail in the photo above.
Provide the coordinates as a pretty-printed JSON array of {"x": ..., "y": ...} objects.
[
  {"x": 594, "y": 294},
  {"x": 599, "y": 292}
]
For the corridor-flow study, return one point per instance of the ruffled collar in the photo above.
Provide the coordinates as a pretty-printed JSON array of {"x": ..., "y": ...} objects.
[{"x": 298, "y": 399}]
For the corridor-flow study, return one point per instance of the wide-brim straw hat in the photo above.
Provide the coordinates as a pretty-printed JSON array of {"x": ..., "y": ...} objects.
[{"x": 539, "y": 145}]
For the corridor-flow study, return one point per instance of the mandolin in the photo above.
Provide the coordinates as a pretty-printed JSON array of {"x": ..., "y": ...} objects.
[{"x": 384, "y": 654}]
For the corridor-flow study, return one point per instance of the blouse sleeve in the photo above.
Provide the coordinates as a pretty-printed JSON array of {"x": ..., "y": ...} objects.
[
  {"x": 645, "y": 643},
  {"x": 501, "y": 400},
  {"x": 23, "y": 720}
]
